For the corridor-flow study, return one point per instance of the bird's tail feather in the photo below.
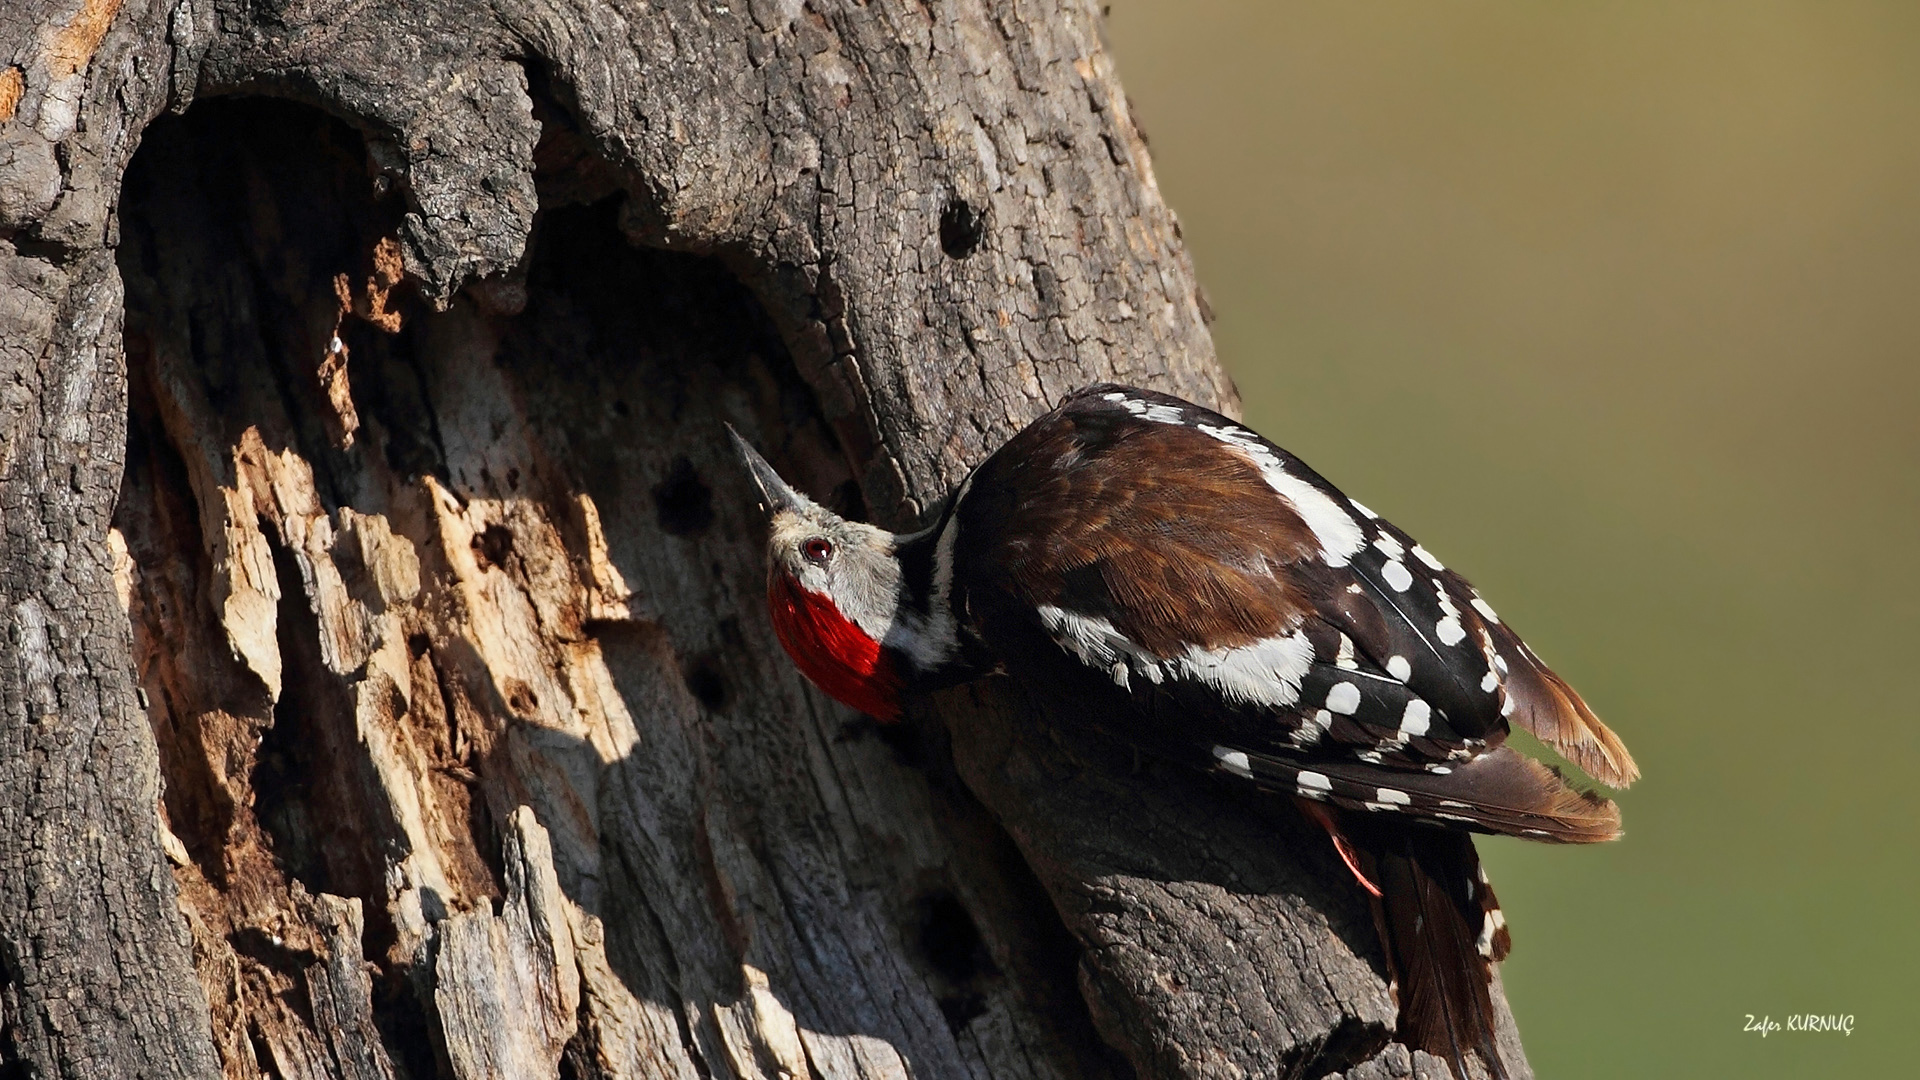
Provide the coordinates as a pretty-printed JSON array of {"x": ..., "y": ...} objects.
[{"x": 1442, "y": 931}]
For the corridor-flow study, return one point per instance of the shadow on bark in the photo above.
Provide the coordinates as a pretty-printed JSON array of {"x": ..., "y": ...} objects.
[{"x": 396, "y": 573}]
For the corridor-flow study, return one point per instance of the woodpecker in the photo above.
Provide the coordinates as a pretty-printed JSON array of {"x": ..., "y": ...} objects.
[{"x": 1222, "y": 605}]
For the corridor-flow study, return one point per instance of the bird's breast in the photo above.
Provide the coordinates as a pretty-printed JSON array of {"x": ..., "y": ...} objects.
[{"x": 832, "y": 650}]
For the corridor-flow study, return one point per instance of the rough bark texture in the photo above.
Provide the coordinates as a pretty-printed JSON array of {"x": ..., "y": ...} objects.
[{"x": 380, "y": 396}]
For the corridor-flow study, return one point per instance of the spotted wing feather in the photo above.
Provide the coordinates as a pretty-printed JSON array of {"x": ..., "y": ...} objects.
[
  {"x": 1500, "y": 791},
  {"x": 1243, "y": 602},
  {"x": 1468, "y": 659},
  {"x": 1464, "y": 661}
]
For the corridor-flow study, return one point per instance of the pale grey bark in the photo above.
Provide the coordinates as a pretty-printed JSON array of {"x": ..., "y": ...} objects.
[{"x": 450, "y": 738}]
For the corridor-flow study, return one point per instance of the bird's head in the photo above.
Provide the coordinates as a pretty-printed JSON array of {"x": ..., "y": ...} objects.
[{"x": 834, "y": 588}]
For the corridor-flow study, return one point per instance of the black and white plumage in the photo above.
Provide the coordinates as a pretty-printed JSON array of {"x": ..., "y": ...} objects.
[{"x": 1224, "y": 605}]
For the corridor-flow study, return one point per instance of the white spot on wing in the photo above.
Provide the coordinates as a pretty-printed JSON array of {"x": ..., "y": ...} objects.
[
  {"x": 1449, "y": 628},
  {"x": 1426, "y": 556},
  {"x": 1485, "y": 610},
  {"x": 1418, "y": 717},
  {"x": 1368, "y": 514},
  {"x": 1490, "y": 682},
  {"x": 1146, "y": 410},
  {"x": 1390, "y": 795},
  {"x": 1344, "y": 699},
  {"x": 1397, "y": 575},
  {"x": 1308, "y": 733},
  {"x": 1389, "y": 545},
  {"x": 1345, "y": 658},
  {"x": 1234, "y": 761},
  {"x": 1309, "y": 779},
  {"x": 1398, "y": 667}
]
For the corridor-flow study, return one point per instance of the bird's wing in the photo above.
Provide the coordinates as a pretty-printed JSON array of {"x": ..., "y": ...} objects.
[{"x": 1258, "y": 611}]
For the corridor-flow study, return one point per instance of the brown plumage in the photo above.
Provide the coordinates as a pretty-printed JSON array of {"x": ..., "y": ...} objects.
[
  {"x": 1061, "y": 518},
  {"x": 1210, "y": 599},
  {"x": 1143, "y": 538},
  {"x": 1174, "y": 539},
  {"x": 1557, "y": 716}
]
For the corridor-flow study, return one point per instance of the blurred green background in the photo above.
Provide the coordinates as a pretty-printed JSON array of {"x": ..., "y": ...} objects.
[{"x": 1616, "y": 306}]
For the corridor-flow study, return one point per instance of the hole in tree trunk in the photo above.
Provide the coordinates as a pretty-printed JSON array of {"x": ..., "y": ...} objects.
[
  {"x": 962, "y": 228},
  {"x": 394, "y": 573},
  {"x": 367, "y": 539},
  {"x": 684, "y": 502}
]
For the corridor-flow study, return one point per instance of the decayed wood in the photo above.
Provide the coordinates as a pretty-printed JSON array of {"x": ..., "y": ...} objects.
[{"x": 478, "y": 756}]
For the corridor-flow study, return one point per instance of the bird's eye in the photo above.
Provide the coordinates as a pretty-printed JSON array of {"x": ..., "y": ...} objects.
[{"x": 817, "y": 550}]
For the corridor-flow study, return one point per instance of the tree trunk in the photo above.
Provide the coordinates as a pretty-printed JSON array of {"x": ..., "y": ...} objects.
[{"x": 380, "y": 396}]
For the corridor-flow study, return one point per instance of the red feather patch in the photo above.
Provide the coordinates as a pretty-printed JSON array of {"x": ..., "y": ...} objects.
[{"x": 832, "y": 650}]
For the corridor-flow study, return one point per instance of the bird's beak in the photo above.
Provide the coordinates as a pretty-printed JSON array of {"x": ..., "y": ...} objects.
[{"x": 775, "y": 495}]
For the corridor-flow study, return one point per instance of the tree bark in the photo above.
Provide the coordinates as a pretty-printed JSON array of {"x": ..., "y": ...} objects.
[{"x": 386, "y": 689}]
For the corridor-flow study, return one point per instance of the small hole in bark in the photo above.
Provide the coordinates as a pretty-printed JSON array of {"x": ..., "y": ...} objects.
[
  {"x": 848, "y": 502},
  {"x": 707, "y": 684},
  {"x": 417, "y": 645},
  {"x": 492, "y": 545},
  {"x": 684, "y": 502},
  {"x": 962, "y": 228},
  {"x": 521, "y": 698},
  {"x": 950, "y": 939},
  {"x": 950, "y": 942}
]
